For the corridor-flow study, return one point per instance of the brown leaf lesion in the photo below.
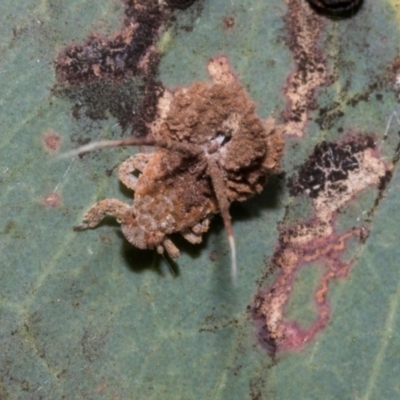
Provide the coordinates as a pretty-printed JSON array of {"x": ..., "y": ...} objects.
[
  {"x": 131, "y": 51},
  {"x": 122, "y": 67},
  {"x": 304, "y": 28},
  {"x": 334, "y": 175}
]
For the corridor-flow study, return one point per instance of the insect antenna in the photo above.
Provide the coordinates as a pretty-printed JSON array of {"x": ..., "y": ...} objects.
[
  {"x": 186, "y": 149},
  {"x": 220, "y": 192}
]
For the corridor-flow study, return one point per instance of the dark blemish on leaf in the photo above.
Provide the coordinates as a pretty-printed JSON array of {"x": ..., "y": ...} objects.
[
  {"x": 379, "y": 97},
  {"x": 329, "y": 163},
  {"x": 365, "y": 95},
  {"x": 385, "y": 180},
  {"x": 358, "y": 98},
  {"x": 364, "y": 234},
  {"x": 212, "y": 256},
  {"x": 52, "y": 141},
  {"x": 109, "y": 171},
  {"x": 61, "y": 374},
  {"x": 52, "y": 200},
  {"x": 93, "y": 345},
  {"x": 131, "y": 102},
  {"x": 213, "y": 323},
  {"x": 25, "y": 386},
  {"x": 256, "y": 387},
  {"x": 343, "y": 8},
  {"x": 394, "y": 75},
  {"x": 209, "y": 324},
  {"x": 105, "y": 239},
  {"x": 75, "y": 304},
  {"x": 187, "y": 28},
  {"x": 181, "y": 4},
  {"x": 147, "y": 110},
  {"x": 117, "y": 75},
  {"x": 383, "y": 186},
  {"x": 329, "y": 115},
  {"x": 10, "y": 227},
  {"x": 228, "y": 22}
]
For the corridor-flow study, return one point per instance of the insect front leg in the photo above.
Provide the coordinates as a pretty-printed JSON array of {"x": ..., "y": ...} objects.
[
  {"x": 192, "y": 237},
  {"x": 132, "y": 164},
  {"x": 100, "y": 210},
  {"x": 201, "y": 227}
]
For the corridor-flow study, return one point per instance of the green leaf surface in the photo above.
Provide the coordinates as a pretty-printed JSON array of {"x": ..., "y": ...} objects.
[{"x": 86, "y": 316}]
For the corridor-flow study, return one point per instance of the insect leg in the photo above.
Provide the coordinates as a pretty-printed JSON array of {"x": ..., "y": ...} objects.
[
  {"x": 186, "y": 149},
  {"x": 132, "y": 164},
  {"x": 171, "y": 249},
  {"x": 191, "y": 237},
  {"x": 97, "y": 213},
  {"x": 201, "y": 227}
]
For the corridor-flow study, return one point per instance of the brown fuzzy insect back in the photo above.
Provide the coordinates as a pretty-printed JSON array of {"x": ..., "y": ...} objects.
[{"x": 250, "y": 150}]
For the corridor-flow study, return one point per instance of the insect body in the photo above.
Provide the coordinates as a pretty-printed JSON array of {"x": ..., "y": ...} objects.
[
  {"x": 211, "y": 149},
  {"x": 167, "y": 199}
]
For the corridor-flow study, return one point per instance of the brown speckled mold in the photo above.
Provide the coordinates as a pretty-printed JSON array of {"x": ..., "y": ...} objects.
[
  {"x": 122, "y": 67},
  {"x": 304, "y": 28}
]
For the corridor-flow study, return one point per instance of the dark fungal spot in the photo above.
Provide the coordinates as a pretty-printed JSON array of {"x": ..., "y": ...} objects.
[
  {"x": 329, "y": 164},
  {"x": 121, "y": 67},
  {"x": 212, "y": 256},
  {"x": 181, "y": 4},
  {"x": 229, "y": 23},
  {"x": 336, "y": 6},
  {"x": 123, "y": 55}
]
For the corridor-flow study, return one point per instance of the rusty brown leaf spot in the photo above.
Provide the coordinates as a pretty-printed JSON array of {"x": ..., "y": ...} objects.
[
  {"x": 228, "y": 23},
  {"x": 51, "y": 141},
  {"x": 51, "y": 200}
]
